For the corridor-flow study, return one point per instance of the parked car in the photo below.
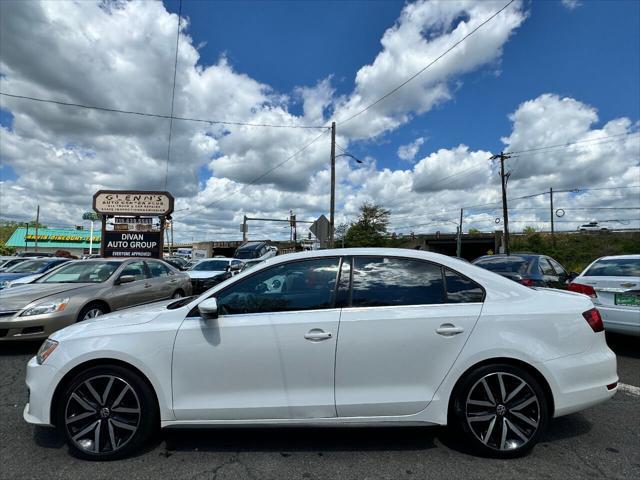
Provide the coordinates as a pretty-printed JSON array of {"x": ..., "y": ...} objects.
[
  {"x": 27, "y": 268},
  {"x": 528, "y": 269},
  {"x": 613, "y": 283},
  {"x": 351, "y": 336},
  {"x": 255, "y": 251},
  {"x": 9, "y": 262},
  {"x": 592, "y": 227},
  {"x": 209, "y": 272},
  {"x": 83, "y": 289}
]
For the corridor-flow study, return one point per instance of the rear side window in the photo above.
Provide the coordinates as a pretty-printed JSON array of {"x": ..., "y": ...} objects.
[
  {"x": 462, "y": 290},
  {"x": 615, "y": 267},
  {"x": 389, "y": 281},
  {"x": 545, "y": 267}
]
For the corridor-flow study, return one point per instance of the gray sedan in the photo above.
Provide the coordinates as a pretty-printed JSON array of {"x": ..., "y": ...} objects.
[{"x": 85, "y": 289}]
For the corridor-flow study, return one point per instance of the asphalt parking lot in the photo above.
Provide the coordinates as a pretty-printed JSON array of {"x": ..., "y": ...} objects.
[{"x": 602, "y": 442}]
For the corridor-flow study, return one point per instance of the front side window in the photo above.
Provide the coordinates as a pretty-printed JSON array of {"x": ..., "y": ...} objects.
[
  {"x": 135, "y": 269},
  {"x": 462, "y": 290},
  {"x": 304, "y": 285},
  {"x": 389, "y": 281}
]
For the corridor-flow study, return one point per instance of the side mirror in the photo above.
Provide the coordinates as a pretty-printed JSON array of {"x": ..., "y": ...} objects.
[
  {"x": 208, "y": 309},
  {"x": 572, "y": 276},
  {"x": 125, "y": 279},
  {"x": 235, "y": 267}
]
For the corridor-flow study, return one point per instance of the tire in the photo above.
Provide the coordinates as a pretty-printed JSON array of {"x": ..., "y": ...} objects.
[
  {"x": 177, "y": 294},
  {"x": 91, "y": 311},
  {"x": 107, "y": 413},
  {"x": 497, "y": 424}
]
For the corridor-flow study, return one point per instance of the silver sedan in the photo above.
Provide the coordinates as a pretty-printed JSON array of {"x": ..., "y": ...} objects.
[{"x": 85, "y": 289}]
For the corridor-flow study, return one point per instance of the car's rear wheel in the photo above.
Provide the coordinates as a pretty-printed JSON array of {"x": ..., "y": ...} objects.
[
  {"x": 177, "y": 294},
  {"x": 107, "y": 412},
  {"x": 501, "y": 410}
]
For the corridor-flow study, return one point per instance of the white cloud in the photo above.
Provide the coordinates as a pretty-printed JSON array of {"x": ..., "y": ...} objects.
[
  {"x": 571, "y": 4},
  {"x": 409, "y": 151},
  {"x": 120, "y": 57}
]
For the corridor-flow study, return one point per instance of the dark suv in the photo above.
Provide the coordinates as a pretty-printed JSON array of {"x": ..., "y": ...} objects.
[
  {"x": 528, "y": 269},
  {"x": 254, "y": 250}
]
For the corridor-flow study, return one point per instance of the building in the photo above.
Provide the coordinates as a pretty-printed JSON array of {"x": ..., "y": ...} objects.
[{"x": 51, "y": 240}]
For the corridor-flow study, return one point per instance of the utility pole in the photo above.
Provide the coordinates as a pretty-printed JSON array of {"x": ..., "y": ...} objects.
[
  {"x": 332, "y": 211},
  {"x": 553, "y": 236},
  {"x": 37, "y": 222},
  {"x": 459, "y": 239},
  {"x": 244, "y": 230},
  {"x": 505, "y": 210},
  {"x": 26, "y": 234}
]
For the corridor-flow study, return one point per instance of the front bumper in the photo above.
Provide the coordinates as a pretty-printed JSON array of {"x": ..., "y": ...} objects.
[
  {"x": 580, "y": 381},
  {"x": 35, "y": 327},
  {"x": 41, "y": 382}
]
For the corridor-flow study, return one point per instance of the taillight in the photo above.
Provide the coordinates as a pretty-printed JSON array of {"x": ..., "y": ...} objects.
[
  {"x": 584, "y": 289},
  {"x": 594, "y": 319},
  {"x": 527, "y": 282}
]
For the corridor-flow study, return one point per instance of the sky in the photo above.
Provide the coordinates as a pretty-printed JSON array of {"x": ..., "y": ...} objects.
[{"x": 560, "y": 74}]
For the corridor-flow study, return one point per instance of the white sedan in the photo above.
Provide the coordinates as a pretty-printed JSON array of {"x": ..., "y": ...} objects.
[
  {"x": 613, "y": 283},
  {"x": 349, "y": 337}
]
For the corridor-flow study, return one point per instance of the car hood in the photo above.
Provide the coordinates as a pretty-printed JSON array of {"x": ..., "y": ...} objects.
[
  {"x": 121, "y": 318},
  {"x": 18, "y": 297},
  {"x": 204, "y": 273},
  {"x": 12, "y": 276}
]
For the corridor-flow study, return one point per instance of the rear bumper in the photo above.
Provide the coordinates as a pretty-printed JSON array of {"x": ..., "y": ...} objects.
[
  {"x": 620, "y": 320},
  {"x": 580, "y": 381}
]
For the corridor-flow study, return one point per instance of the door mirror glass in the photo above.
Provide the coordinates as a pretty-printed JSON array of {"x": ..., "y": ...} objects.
[
  {"x": 125, "y": 279},
  {"x": 208, "y": 309},
  {"x": 235, "y": 267}
]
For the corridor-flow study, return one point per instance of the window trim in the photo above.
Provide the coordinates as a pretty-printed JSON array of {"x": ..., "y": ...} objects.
[
  {"x": 333, "y": 294},
  {"x": 430, "y": 262}
]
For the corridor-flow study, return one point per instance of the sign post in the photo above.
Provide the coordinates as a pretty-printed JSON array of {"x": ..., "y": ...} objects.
[{"x": 143, "y": 241}]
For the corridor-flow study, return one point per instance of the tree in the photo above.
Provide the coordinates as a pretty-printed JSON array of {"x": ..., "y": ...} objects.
[
  {"x": 371, "y": 228},
  {"x": 473, "y": 231},
  {"x": 341, "y": 232},
  {"x": 529, "y": 230}
]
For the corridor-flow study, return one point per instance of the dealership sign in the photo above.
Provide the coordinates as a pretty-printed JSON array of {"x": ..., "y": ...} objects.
[
  {"x": 120, "y": 202},
  {"x": 132, "y": 244}
]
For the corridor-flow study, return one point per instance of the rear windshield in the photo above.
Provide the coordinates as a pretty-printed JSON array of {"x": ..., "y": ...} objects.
[
  {"x": 615, "y": 267},
  {"x": 503, "y": 264}
]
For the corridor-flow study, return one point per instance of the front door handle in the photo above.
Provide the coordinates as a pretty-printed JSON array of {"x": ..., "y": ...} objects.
[
  {"x": 449, "y": 330},
  {"x": 147, "y": 285},
  {"x": 316, "y": 335}
]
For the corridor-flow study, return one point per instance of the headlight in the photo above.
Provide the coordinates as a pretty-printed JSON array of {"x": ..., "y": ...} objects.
[
  {"x": 46, "y": 349},
  {"x": 49, "y": 306}
]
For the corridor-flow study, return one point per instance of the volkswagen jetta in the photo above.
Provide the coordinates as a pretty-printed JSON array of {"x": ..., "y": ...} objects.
[{"x": 334, "y": 337}]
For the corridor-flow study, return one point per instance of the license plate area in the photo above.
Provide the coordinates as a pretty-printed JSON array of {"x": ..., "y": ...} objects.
[{"x": 627, "y": 299}]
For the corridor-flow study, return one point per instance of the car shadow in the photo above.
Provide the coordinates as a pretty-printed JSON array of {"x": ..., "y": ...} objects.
[
  {"x": 301, "y": 439},
  {"x": 623, "y": 345},
  {"x": 22, "y": 347}
]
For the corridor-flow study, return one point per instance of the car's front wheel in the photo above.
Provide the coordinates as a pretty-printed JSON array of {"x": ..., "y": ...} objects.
[
  {"x": 107, "y": 412},
  {"x": 501, "y": 410}
]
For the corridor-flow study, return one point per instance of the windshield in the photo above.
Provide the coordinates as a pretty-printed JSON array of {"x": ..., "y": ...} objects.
[
  {"x": 211, "y": 266},
  {"x": 615, "y": 267},
  {"x": 503, "y": 264},
  {"x": 82, "y": 272},
  {"x": 28, "y": 266}
]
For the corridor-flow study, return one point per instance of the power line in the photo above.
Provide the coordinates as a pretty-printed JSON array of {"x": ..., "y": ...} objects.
[
  {"x": 157, "y": 115},
  {"x": 570, "y": 144},
  {"x": 173, "y": 97},
  {"x": 394, "y": 90},
  {"x": 260, "y": 177}
]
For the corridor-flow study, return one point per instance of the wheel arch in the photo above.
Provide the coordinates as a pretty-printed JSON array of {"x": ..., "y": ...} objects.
[
  {"x": 99, "y": 302},
  {"x": 98, "y": 362},
  {"x": 533, "y": 371}
]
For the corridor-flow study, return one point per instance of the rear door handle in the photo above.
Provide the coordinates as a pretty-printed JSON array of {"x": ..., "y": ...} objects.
[
  {"x": 316, "y": 335},
  {"x": 449, "y": 330},
  {"x": 147, "y": 285}
]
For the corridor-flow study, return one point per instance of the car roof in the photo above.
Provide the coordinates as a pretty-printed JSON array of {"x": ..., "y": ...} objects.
[
  {"x": 515, "y": 256},
  {"x": 621, "y": 257},
  {"x": 251, "y": 245}
]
